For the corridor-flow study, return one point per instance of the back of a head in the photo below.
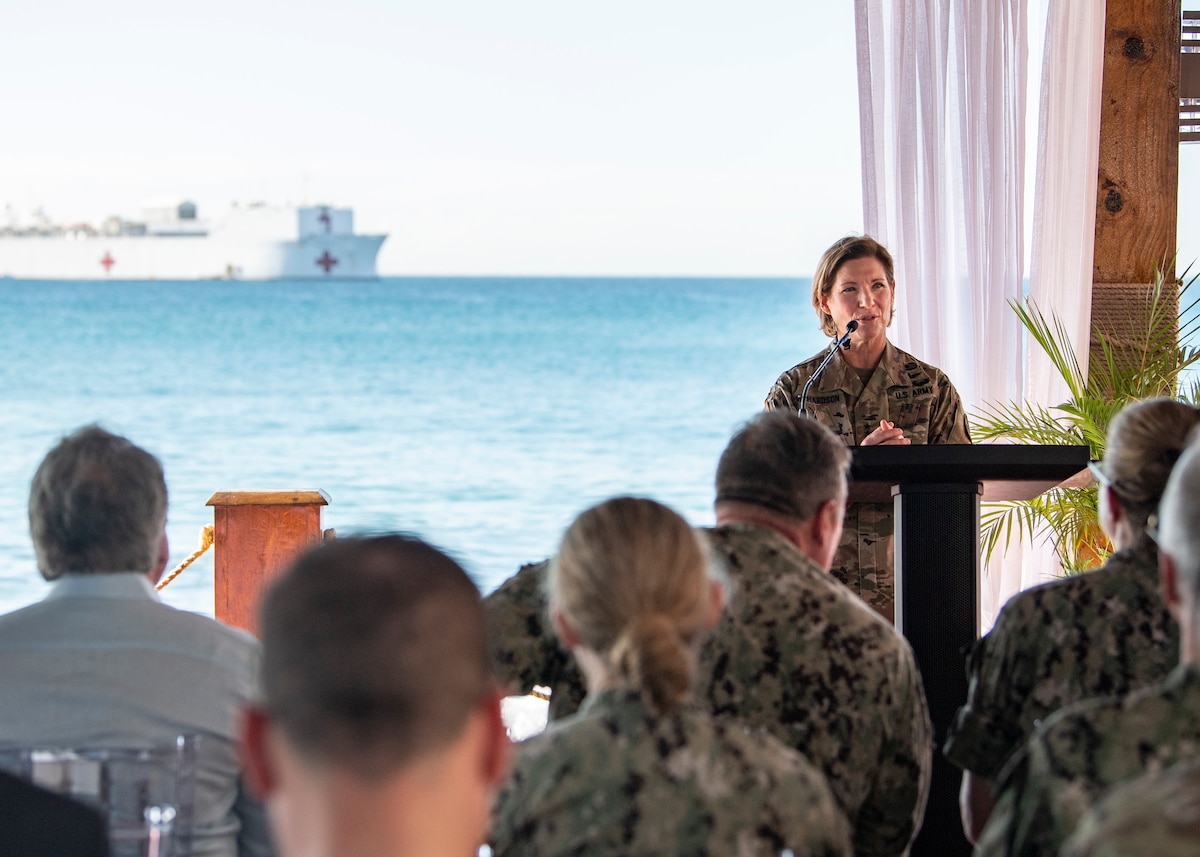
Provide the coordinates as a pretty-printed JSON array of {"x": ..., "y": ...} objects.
[
  {"x": 374, "y": 653},
  {"x": 1144, "y": 441},
  {"x": 97, "y": 503},
  {"x": 631, "y": 578},
  {"x": 785, "y": 463},
  {"x": 1179, "y": 522}
]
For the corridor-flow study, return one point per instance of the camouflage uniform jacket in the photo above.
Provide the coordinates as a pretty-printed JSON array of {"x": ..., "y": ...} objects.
[
  {"x": 1104, "y": 633},
  {"x": 796, "y": 653},
  {"x": 919, "y": 399},
  {"x": 615, "y": 780},
  {"x": 525, "y": 651},
  {"x": 1156, "y": 814},
  {"x": 1084, "y": 750}
]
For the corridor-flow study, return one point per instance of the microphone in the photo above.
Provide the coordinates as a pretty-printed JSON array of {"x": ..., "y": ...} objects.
[
  {"x": 839, "y": 342},
  {"x": 844, "y": 341}
]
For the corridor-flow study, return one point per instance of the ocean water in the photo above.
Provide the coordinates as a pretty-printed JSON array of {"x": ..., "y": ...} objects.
[{"x": 482, "y": 414}]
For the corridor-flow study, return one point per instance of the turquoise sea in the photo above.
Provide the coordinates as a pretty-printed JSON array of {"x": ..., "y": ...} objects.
[{"x": 479, "y": 413}]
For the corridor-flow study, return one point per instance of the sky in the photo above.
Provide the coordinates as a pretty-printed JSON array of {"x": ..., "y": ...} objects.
[
  {"x": 531, "y": 136},
  {"x": 526, "y": 137}
]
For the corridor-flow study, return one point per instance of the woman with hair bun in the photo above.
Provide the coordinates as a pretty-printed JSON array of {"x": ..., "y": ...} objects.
[
  {"x": 641, "y": 769},
  {"x": 1102, "y": 633}
]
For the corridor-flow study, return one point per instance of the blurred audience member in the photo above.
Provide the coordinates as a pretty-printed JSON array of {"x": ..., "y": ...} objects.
[
  {"x": 1103, "y": 633},
  {"x": 641, "y": 769},
  {"x": 799, "y": 654},
  {"x": 379, "y": 731},
  {"x": 1157, "y": 814},
  {"x": 795, "y": 652},
  {"x": 101, "y": 661},
  {"x": 1085, "y": 749}
]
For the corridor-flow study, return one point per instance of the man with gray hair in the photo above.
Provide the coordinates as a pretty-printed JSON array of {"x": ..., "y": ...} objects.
[
  {"x": 1082, "y": 751},
  {"x": 101, "y": 662},
  {"x": 380, "y": 730},
  {"x": 796, "y": 652}
]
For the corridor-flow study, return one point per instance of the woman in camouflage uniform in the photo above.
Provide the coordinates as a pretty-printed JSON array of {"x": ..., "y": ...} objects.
[
  {"x": 641, "y": 769},
  {"x": 1103, "y": 633},
  {"x": 870, "y": 393}
]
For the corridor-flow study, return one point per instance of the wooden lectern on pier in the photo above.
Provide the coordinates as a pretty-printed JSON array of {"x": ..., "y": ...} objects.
[
  {"x": 937, "y": 490},
  {"x": 256, "y": 534}
]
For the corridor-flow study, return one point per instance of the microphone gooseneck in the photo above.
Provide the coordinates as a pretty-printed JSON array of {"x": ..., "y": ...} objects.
[{"x": 839, "y": 343}]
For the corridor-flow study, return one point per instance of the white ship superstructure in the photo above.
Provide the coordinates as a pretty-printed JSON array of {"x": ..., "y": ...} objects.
[{"x": 170, "y": 242}]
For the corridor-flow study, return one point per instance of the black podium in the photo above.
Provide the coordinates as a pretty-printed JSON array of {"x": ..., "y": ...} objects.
[{"x": 937, "y": 490}]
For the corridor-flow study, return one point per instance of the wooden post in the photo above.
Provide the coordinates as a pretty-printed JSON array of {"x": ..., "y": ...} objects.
[
  {"x": 1137, "y": 199},
  {"x": 256, "y": 534}
]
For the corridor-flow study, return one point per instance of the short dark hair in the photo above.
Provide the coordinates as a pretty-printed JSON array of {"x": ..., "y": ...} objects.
[
  {"x": 374, "y": 652},
  {"x": 783, "y": 462},
  {"x": 97, "y": 503}
]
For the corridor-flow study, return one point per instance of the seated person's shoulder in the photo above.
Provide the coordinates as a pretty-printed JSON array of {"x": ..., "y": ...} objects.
[
  {"x": 1073, "y": 733},
  {"x": 774, "y": 582},
  {"x": 207, "y": 627},
  {"x": 205, "y": 638},
  {"x": 1158, "y": 813},
  {"x": 524, "y": 589},
  {"x": 771, "y": 770}
]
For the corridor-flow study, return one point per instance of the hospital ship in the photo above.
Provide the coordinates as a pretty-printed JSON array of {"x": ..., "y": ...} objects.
[{"x": 171, "y": 242}]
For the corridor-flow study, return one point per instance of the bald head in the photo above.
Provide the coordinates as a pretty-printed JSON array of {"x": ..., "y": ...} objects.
[{"x": 374, "y": 653}]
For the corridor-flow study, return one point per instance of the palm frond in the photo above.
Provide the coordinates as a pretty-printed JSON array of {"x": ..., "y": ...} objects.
[
  {"x": 1026, "y": 422},
  {"x": 1063, "y": 517},
  {"x": 997, "y": 522},
  {"x": 1052, "y": 337},
  {"x": 1189, "y": 391},
  {"x": 1149, "y": 359}
]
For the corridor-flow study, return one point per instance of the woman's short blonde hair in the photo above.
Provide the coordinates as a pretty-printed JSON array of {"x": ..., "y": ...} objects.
[
  {"x": 844, "y": 250},
  {"x": 631, "y": 578}
]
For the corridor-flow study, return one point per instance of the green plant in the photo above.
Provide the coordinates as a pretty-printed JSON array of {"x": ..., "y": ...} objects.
[{"x": 1145, "y": 359}]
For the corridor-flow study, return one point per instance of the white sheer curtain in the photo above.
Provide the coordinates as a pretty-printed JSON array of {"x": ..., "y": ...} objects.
[
  {"x": 1064, "y": 211},
  {"x": 942, "y": 93},
  {"x": 942, "y": 100},
  {"x": 942, "y": 96}
]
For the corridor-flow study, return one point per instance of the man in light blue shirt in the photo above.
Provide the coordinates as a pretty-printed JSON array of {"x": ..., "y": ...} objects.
[{"x": 101, "y": 661}]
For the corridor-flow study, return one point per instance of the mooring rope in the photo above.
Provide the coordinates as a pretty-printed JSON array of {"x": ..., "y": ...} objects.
[{"x": 206, "y": 541}]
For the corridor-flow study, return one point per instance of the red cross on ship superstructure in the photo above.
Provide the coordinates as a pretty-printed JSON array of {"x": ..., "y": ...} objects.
[
  {"x": 326, "y": 219},
  {"x": 327, "y": 262},
  {"x": 108, "y": 261}
]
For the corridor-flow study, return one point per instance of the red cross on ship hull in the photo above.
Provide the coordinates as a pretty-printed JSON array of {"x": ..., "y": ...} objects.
[{"x": 327, "y": 262}]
